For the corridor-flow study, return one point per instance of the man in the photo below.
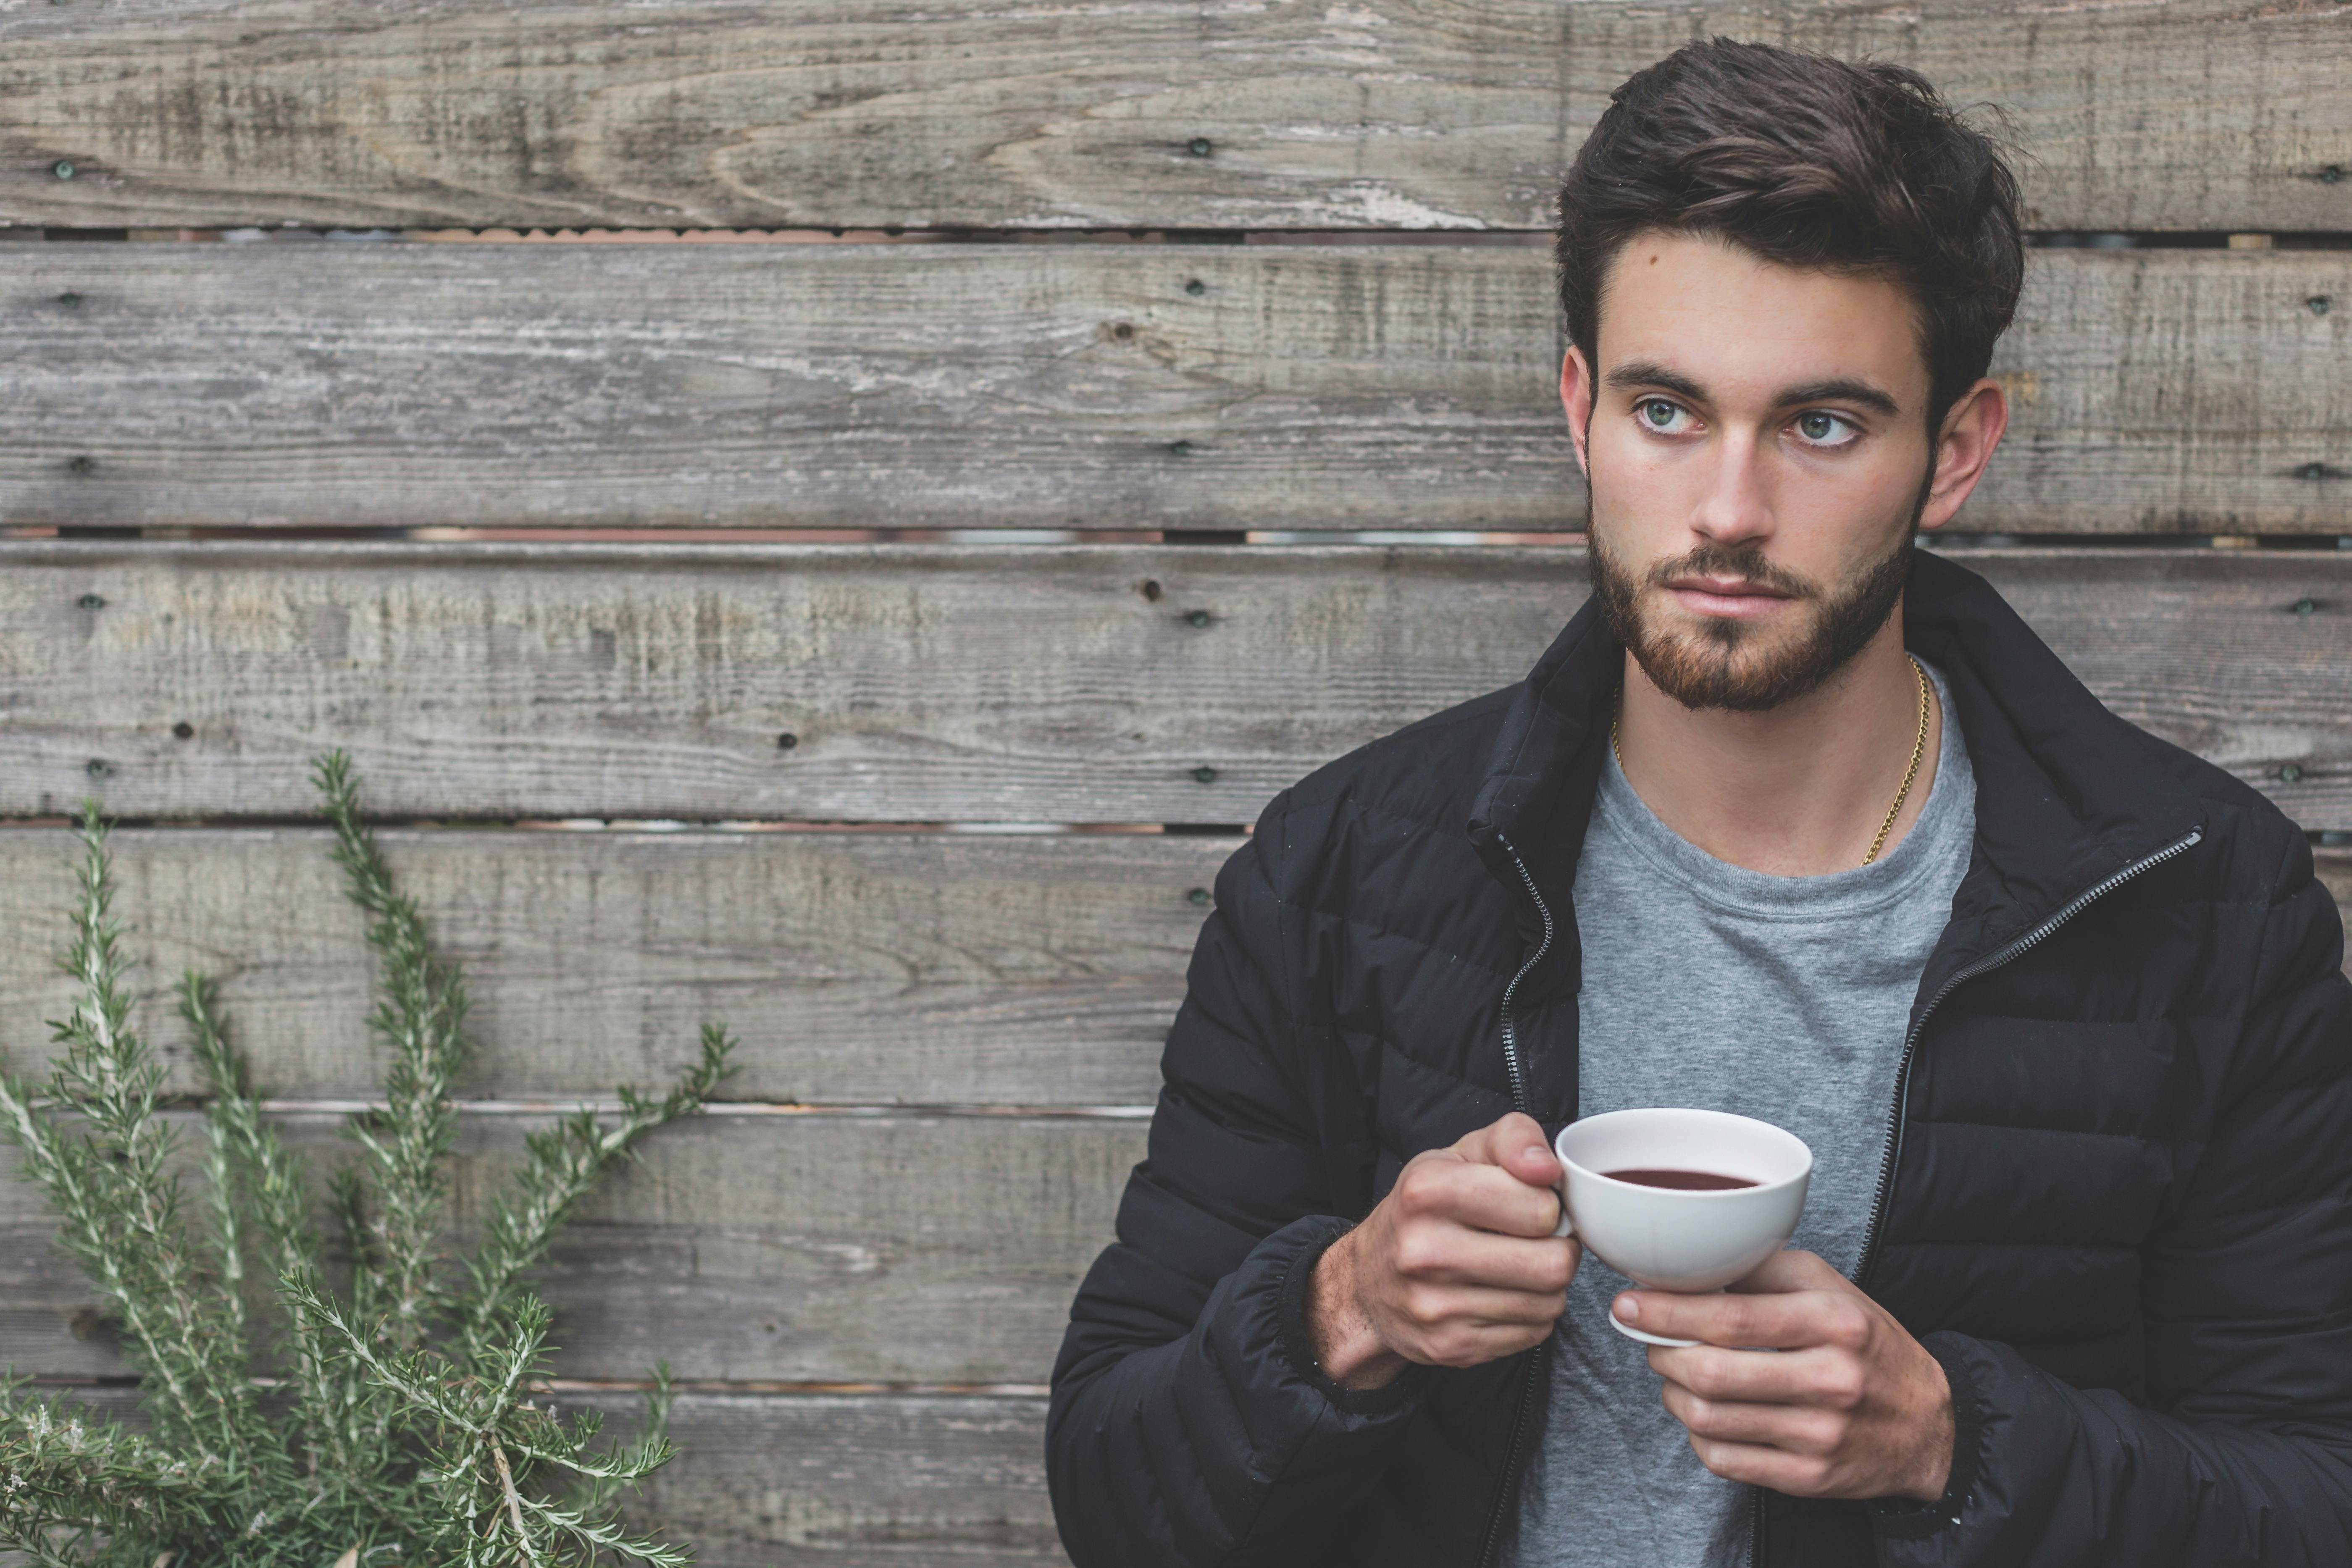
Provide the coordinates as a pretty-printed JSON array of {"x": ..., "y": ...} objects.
[{"x": 1796, "y": 821}]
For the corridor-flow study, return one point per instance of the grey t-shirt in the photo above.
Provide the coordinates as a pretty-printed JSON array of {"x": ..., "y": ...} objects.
[{"x": 1783, "y": 998}]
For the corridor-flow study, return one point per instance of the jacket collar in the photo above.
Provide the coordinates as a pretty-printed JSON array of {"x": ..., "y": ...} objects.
[{"x": 2067, "y": 794}]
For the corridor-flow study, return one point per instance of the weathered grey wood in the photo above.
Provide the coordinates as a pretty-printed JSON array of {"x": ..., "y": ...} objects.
[
  {"x": 2127, "y": 372},
  {"x": 855, "y": 968},
  {"x": 845, "y": 1481},
  {"x": 1014, "y": 683},
  {"x": 804, "y": 1247},
  {"x": 2336, "y": 873},
  {"x": 1386, "y": 113},
  {"x": 1006, "y": 683},
  {"x": 1039, "y": 386},
  {"x": 886, "y": 1480}
]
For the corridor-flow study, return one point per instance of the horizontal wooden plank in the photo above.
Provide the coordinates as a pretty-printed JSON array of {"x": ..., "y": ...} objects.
[
  {"x": 1162, "y": 386},
  {"x": 827, "y": 1249},
  {"x": 1076, "y": 683},
  {"x": 2336, "y": 871},
  {"x": 886, "y": 1480},
  {"x": 855, "y": 968},
  {"x": 1381, "y": 113},
  {"x": 799, "y": 1481}
]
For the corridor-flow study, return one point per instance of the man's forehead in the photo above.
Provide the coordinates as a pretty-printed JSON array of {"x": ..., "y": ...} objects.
[{"x": 1724, "y": 319}]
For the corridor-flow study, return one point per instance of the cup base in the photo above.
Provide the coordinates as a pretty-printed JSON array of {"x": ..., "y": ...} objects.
[{"x": 1630, "y": 1332}]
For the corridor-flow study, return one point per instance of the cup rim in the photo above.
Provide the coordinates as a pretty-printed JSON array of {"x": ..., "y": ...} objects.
[{"x": 1801, "y": 1174}]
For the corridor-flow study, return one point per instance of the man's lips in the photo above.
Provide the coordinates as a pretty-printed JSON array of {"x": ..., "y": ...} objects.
[{"x": 1731, "y": 596}]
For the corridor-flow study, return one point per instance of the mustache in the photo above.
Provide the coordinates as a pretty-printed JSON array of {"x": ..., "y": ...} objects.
[{"x": 1744, "y": 562}]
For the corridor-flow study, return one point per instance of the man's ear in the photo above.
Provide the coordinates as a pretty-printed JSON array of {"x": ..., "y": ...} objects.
[
  {"x": 1972, "y": 428},
  {"x": 1576, "y": 399}
]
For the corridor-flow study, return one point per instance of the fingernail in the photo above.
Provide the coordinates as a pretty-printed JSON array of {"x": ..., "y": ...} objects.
[{"x": 1627, "y": 1309}]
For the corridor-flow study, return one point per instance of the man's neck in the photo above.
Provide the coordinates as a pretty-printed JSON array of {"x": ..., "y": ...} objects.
[{"x": 1798, "y": 791}]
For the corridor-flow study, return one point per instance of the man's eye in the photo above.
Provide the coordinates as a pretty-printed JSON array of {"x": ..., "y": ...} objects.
[
  {"x": 1657, "y": 413},
  {"x": 1820, "y": 428}
]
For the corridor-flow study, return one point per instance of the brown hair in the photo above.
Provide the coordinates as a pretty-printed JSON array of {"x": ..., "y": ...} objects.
[{"x": 1809, "y": 162}]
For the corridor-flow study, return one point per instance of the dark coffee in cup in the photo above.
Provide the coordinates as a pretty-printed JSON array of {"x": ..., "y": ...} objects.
[{"x": 1681, "y": 1181}]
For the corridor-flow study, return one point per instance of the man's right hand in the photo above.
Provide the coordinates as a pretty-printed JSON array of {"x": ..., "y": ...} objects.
[{"x": 1456, "y": 1266}]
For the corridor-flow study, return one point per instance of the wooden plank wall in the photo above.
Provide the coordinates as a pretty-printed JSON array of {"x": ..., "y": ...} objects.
[{"x": 929, "y": 814}]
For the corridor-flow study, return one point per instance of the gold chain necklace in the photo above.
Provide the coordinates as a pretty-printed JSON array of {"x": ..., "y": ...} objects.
[{"x": 1919, "y": 750}]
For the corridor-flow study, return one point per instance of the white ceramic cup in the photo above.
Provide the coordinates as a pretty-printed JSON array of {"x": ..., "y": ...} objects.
[{"x": 1672, "y": 1238}]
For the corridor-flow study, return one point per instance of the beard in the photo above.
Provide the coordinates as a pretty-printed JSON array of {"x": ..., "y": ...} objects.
[{"x": 1736, "y": 664}]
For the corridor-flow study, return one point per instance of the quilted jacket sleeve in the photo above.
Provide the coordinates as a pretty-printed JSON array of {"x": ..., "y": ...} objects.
[
  {"x": 1188, "y": 1423},
  {"x": 2244, "y": 1452}
]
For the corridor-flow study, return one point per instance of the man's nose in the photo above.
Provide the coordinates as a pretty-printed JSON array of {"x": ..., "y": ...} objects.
[{"x": 1735, "y": 505}]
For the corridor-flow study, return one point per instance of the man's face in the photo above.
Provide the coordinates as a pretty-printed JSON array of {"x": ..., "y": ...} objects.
[{"x": 1758, "y": 455}]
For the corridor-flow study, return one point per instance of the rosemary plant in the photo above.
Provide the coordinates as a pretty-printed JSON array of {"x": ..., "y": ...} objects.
[{"x": 408, "y": 1426}]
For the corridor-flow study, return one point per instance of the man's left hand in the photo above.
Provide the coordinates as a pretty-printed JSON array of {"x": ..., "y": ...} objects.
[{"x": 1845, "y": 1405}]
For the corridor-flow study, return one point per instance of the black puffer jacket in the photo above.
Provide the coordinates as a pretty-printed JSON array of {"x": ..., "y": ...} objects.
[{"x": 2120, "y": 1204}]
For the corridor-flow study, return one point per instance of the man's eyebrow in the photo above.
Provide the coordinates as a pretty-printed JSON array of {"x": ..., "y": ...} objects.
[
  {"x": 1648, "y": 372},
  {"x": 1841, "y": 389},
  {"x": 1835, "y": 389}
]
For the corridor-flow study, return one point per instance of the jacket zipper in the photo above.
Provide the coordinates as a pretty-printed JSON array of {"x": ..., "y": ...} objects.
[
  {"x": 1510, "y": 1033},
  {"x": 2030, "y": 940},
  {"x": 1888, "y": 1161},
  {"x": 1519, "y": 1102}
]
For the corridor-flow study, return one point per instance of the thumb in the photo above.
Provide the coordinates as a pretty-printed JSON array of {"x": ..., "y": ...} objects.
[
  {"x": 1534, "y": 1163},
  {"x": 1517, "y": 1144}
]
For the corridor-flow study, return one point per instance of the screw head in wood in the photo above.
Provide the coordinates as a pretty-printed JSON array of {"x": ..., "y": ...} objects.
[
  {"x": 70, "y": 299},
  {"x": 1204, "y": 774},
  {"x": 1198, "y": 896},
  {"x": 184, "y": 730},
  {"x": 2317, "y": 304},
  {"x": 1197, "y": 618},
  {"x": 2306, "y": 607},
  {"x": 2331, "y": 174},
  {"x": 98, "y": 767},
  {"x": 1196, "y": 288},
  {"x": 62, "y": 168},
  {"x": 1198, "y": 147},
  {"x": 2289, "y": 773},
  {"x": 81, "y": 463},
  {"x": 787, "y": 740},
  {"x": 1181, "y": 448},
  {"x": 2313, "y": 471}
]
